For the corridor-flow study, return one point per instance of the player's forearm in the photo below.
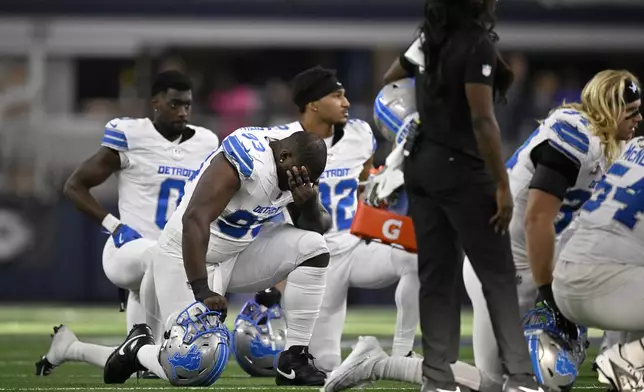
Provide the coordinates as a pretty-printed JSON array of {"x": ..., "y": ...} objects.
[
  {"x": 313, "y": 217},
  {"x": 540, "y": 239},
  {"x": 196, "y": 235},
  {"x": 488, "y": 139},
  {"x": 395, "y": 72},
  {"x": 80, "y": 195}
]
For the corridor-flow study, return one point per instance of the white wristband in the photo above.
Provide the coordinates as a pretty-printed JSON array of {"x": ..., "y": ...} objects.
[{"x": 110, "y": 223}]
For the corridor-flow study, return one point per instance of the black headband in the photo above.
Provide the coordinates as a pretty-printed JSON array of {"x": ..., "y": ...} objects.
[
  {"x": 632, "y": 92},
  {"x": 317, "y": 90}
]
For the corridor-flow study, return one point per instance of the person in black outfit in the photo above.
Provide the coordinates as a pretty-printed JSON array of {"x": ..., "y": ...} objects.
[{"x": 458, "y": 185}]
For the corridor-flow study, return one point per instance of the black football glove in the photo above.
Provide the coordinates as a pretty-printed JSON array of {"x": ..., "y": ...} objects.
[{"x": 546, "y": 298}]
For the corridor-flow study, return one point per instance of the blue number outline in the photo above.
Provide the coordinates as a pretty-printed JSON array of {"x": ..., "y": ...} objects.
[
  {"x": 339, "y": 213},
  {"x": 255, "y": 142},
  {"x": 160, "y": 217},
  {"x": 512, "y": 162},
  {"x": 242, "y": 221},
  {"x": 573, "y": 201},
  {"x": 632, "y": 197}
]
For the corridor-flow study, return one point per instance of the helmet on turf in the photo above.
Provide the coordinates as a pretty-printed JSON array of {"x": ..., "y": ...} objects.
[
  {"x": 395, "y": 109},
  {"x": 258, "y": 338},
  {"x": 556, "y": 358},
  {"x": 196, "y": 347}
]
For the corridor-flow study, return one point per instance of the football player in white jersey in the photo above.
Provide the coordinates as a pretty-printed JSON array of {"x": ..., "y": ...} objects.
[
  {"x": 354, "y": 263},
  {"x": 152, "y": 159},
  {"x": 551, "y": 175},
  {"x": 599, "y": 274},
  {"x": 221, "y": 239},
  {"x": 601, "y": 116}
]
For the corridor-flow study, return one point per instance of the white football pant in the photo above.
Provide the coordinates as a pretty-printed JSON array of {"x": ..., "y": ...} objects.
[
  {"x": 369, "y": 266},
  {"x": 486, "y": 351}
]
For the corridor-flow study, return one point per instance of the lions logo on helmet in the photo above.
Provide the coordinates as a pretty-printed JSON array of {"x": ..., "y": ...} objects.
[
  {"x": 395, "y": 109},
  {"x": 196, "y": 347},
  {"x": 556, "y": 359},
  {"x": 258, "y": 338}
]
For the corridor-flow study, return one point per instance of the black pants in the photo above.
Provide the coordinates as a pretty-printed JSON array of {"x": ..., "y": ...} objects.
[{"x": 451, "y": 201}]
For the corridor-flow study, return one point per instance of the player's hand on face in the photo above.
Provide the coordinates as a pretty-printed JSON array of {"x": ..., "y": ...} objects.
[
  {"x": 217, "y": 303},
  {"x": 300, "y": 185}
]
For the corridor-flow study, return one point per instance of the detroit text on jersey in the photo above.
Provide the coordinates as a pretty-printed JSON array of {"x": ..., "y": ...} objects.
[
  {"x": 153, "y": 171},
  {"x": 259, "y": 198}
]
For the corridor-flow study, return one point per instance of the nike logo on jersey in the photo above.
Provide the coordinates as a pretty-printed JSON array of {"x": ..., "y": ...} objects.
[
  {"x": 524, "y": 389},
  {"x": 127, "y": 342},
  {"x": 120, "y": 241},
  {"x": 112, "y": 124},
  {"x": 290, "y": 376}
]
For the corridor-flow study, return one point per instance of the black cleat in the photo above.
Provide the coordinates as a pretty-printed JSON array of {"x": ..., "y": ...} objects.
[
  {"x": 295, "y": 367},
  {"x": 148, "y": 375},
  {"x": 122, "y": 363},
  {"x": 44, "y": 367}
]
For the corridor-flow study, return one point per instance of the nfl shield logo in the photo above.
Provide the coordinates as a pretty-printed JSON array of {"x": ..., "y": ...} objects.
[{"x": 486, "y": 70}]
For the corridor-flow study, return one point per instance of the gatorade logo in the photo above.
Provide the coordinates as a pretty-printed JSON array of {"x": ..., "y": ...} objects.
[{"x": 391, "y": 229}]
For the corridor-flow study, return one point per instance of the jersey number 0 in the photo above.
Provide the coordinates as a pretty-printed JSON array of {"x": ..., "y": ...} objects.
[{"x": 165, "y": 191}]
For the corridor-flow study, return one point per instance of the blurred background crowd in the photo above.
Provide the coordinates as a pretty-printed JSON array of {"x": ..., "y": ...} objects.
[{"x": 69, "y": 66}]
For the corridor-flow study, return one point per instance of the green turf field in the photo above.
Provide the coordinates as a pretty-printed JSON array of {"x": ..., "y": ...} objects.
[{"x": 24, "y": 336}]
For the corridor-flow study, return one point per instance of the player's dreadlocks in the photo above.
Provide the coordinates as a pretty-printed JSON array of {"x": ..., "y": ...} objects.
[{"x": 442, "y": 19}]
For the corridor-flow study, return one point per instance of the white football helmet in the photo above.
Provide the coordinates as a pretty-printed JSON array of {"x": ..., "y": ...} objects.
[
  {"x": 556, "y": 359},
  {"x": 196, "y": 347},
  {"x": 258, "y": 338},
  {"x": 395, "y": 108}
]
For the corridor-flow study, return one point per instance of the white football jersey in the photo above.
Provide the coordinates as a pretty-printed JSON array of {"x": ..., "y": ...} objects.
[
  {"x": 259, "y": 198},
  {"x": 608, "y": 229},
  {"x": 567, "y": 131},
  {"x": 339, "y": 181},
  {"x": 153, "y": 171}
]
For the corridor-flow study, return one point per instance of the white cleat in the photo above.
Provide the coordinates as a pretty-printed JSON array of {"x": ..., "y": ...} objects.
[
  {"x": 616, "y": 371},
  {"x": 62, "y": 338},
  {"x": 357, "y": 368}
]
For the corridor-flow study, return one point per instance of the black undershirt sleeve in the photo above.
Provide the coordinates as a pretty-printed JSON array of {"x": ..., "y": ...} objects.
[{"x": 554, "y": 173}]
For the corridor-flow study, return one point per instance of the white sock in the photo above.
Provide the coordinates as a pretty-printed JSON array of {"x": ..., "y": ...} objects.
[
  {"x": 148, "y": 356},
  {"x": 411, "y": 370},
  {"x": 89, "y": 353},
  {"x": 407, "y": 316},
  {"x": 148, "y": 299},
  {"x": 400, "y": 369},
  {"x": 302, "y": 300},
  {"x": 467, "y": 375},
  {"x": 135, "y": 312}
]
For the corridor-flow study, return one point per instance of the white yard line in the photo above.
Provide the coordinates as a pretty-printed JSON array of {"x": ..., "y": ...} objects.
[{"x": 184, "y": 388}]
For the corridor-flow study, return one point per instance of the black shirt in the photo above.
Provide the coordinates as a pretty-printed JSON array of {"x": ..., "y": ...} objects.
[{"x": 445, "y": 118}]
